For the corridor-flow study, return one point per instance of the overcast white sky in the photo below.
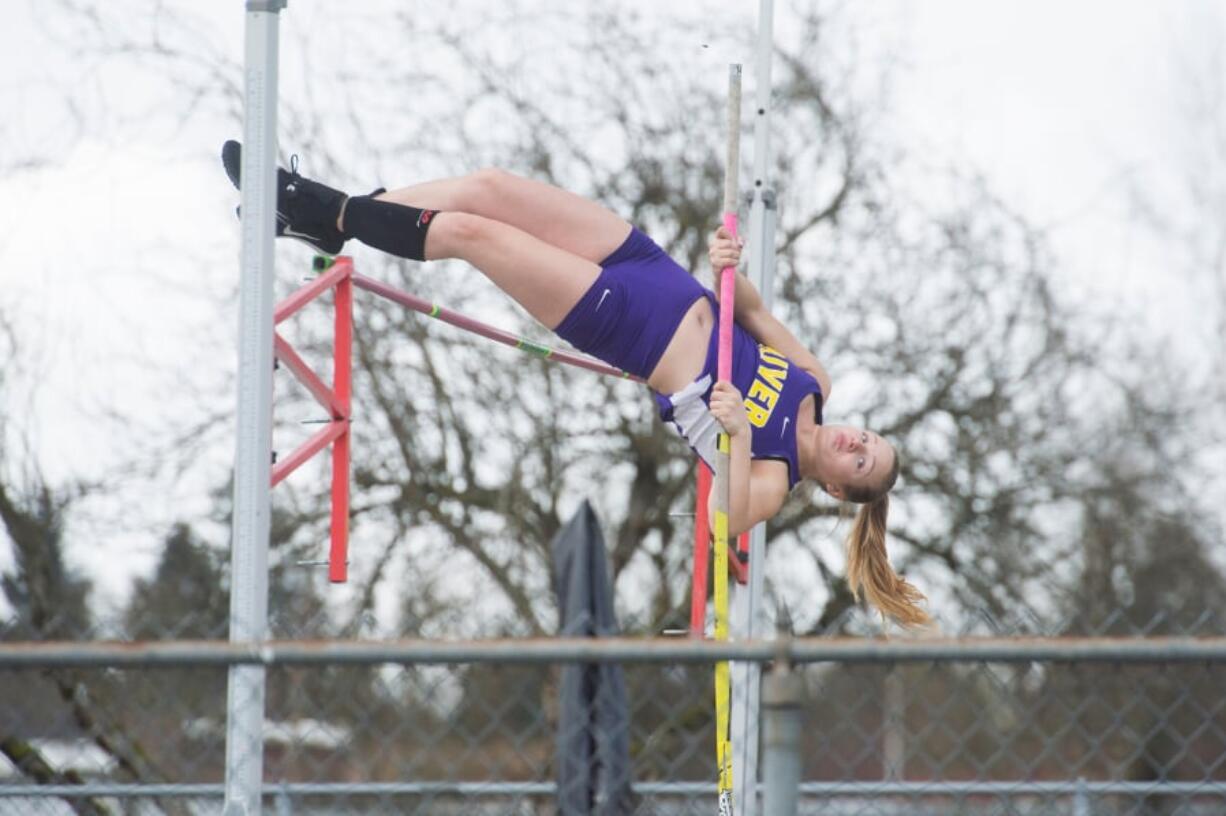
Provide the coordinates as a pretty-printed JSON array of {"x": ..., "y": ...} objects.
[
  {"x": 1062, "y": 106},
  {"x": 1066, "y": 107}
]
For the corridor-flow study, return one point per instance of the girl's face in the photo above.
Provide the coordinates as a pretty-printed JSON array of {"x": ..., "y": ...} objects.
[{"x": 852, "y": 457}]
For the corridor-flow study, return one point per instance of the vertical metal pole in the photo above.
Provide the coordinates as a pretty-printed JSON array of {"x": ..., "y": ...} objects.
[
  {"x": 894, "y": 726},
  {"x": 762, "y": 229},
  {"x": 782, "y": 696},
  {"x": 252, "y": 462},
  {"x": 1081, "y": 799},
  {"x": 747, "y": 615},
  {"x": 282, "y": 802}
]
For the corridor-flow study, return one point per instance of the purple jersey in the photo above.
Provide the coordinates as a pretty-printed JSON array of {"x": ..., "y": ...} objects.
[
  {"x": 630, "y": 314},
  {"x": 772, "y": 386}
]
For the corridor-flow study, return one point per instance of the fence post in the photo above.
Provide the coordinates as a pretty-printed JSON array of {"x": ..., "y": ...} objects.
[
  {"x": 782, "y": 696},
  {"x": 1081, "y": 799}
]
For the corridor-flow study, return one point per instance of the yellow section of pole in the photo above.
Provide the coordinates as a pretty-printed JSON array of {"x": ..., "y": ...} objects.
[
  {"x": 723, "y": 461},
  {"x": 723, "y": 675}
]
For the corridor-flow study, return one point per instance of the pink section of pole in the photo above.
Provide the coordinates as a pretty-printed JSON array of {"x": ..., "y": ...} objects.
[{"x": 727, "y": 307}]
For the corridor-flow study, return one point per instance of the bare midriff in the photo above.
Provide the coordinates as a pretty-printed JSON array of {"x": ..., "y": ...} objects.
[{"x": 686, "y": 352}]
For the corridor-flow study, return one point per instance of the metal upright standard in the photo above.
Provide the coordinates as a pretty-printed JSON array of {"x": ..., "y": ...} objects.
[
  {"x": 747, "y": 621},
  {"x": 252, "y": 465},
  {"x": 723, "y": 462}
]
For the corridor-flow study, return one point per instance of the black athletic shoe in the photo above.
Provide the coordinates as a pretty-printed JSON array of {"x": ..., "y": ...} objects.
[{"x": 306, "y": 209}]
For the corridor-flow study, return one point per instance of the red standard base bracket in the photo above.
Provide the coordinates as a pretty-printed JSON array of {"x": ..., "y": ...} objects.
[
  {"x": 738, "y": 556},
  {"x": 335, "y": 400}
]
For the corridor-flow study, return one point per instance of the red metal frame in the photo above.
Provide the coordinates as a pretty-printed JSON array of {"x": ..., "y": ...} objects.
[
  {"x": 702, "y": 553},
  {"x": 337, "y": 400},
  {"x": 738, "y": 556}
]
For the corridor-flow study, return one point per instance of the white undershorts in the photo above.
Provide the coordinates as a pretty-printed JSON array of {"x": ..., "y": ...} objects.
[{"x": 694, "y": 421}]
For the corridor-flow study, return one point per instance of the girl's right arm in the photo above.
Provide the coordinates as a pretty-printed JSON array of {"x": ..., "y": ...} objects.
[{"x": 756, "y": 487}]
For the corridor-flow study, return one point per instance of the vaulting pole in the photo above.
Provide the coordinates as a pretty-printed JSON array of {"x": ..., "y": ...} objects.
[
  {"x": 723, "y": 464},
  {"x": 253, "y": 449}
]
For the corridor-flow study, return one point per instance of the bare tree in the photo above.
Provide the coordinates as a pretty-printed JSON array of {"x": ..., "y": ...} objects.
[
  {"x": 942, "y": 329},
  {"x": 1184, "y": 202},
  {"x": 51, "y": 602}
]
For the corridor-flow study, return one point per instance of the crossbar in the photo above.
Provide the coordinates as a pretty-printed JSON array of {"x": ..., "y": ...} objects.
[{"x": 485, "y": 330}]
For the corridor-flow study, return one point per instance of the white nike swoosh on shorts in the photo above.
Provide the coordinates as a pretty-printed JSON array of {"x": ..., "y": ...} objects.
[{"x": 601, "y": 301}]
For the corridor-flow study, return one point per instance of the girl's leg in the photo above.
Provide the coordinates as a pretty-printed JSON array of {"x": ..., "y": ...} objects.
[
  {"x": 542, "y": 277},
  {"x": 567, "y": 221}
]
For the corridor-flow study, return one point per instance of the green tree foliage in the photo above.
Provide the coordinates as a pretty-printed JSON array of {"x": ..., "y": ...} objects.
[
  {"x": 185, "y": 597},
  {"x": 50, "y": 601}
]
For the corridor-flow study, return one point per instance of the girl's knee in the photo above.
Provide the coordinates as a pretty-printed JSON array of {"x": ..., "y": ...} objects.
[
  {"x": 453, "y": 233},
  {"x": 489, "y": 182}
]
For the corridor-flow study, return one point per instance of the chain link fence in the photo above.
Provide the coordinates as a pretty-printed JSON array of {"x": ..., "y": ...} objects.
[{"x": 987, "y": 726}]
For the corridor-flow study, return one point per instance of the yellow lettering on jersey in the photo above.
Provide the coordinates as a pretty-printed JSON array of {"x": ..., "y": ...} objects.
[
  {"x": 764, "y": 392},
  {"x": 757, "y": 414},
  {"x": 774, "y": 368},
  {"x": 773, "y": 356}
]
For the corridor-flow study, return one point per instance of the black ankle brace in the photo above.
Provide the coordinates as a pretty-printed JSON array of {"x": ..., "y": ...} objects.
[{"x": 393, "y": 228}]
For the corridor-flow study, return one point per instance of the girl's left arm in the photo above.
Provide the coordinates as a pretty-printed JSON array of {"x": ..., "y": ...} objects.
[
  {"x": 768, "y": 329},
  {"x": 751, "y": 313}
]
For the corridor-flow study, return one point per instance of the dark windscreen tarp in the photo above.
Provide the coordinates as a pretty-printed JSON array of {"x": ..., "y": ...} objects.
[{"x": 593, "y": 745}]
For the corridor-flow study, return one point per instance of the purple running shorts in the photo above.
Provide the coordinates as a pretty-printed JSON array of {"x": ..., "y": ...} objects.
[{"x": 631, "y": 312}]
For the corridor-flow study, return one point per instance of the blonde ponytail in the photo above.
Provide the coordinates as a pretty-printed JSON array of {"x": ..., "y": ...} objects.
[{"x": 868, "y": 567}]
